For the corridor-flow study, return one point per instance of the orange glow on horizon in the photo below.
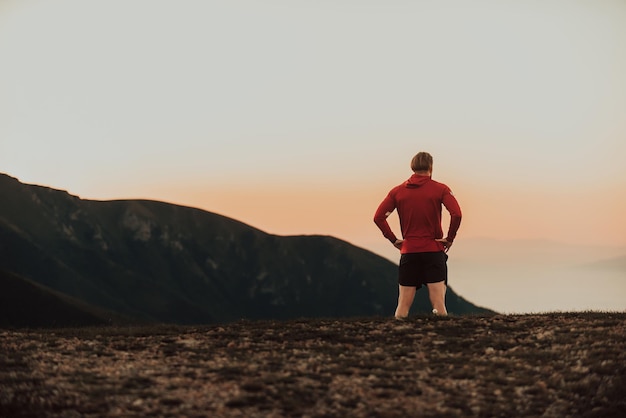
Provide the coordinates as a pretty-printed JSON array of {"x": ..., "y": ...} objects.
[{"x": 347, "y": 213}]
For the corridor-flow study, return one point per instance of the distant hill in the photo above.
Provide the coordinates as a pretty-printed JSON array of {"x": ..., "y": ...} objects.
[
  {"x": 160, "y": 262},
  {"x": 533, "y": 251},
  {"x": 24, "y": 303},
  {"x": 615, "y": 263},
  {"x": 521, "y": 276}
]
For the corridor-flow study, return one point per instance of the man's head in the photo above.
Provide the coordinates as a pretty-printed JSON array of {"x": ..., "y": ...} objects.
[{"x": 422, "y": 163}]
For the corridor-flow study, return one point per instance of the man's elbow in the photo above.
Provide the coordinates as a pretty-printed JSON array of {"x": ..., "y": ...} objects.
[{"x": 378, "y": 219}]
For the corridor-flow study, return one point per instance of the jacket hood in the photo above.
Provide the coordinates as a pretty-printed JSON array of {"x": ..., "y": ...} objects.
[{"x": 416, "y": 180}]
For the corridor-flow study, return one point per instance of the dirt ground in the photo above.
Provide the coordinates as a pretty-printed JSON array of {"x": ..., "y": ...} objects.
[{"x": 551, "y": 365}]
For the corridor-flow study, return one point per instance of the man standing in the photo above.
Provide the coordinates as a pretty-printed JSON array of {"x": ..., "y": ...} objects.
[{"x": 423, "y": 248}]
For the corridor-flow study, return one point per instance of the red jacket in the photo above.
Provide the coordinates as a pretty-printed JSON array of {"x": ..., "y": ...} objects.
[{"x": 418, "y": 201}]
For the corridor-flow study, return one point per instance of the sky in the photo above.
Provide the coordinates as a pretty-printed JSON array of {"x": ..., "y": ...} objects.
[{"x": 297, "y": 117}]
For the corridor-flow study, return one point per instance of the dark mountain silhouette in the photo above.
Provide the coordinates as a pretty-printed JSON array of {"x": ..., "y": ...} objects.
[{"x": 161, "y": 262}]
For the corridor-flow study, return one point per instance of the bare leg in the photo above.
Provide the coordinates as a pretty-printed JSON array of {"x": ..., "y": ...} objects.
[
  {"x": 437, "y": 295},
  {"x": 406, "y": 294}
]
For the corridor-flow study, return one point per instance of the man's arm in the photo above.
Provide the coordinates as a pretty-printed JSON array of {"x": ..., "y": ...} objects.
[
  {"x": 452, "y": 206},
  {"x": 380, "y": 218}
]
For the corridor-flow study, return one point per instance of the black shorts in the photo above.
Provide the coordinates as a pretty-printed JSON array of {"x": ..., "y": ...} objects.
[{"x": 416, "y": 269}]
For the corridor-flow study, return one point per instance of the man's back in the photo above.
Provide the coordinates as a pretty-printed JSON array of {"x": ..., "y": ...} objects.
[{"x": 418, "y": 202}]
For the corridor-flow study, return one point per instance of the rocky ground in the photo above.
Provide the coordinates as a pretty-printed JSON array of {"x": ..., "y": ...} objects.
[{"x": 552, "y": 365}]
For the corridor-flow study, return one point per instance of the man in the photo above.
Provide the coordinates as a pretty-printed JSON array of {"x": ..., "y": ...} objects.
[{"x": 423, "y": 248}]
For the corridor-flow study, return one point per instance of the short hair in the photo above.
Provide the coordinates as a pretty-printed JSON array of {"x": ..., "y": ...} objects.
[{"x": 422, "y": 161}]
